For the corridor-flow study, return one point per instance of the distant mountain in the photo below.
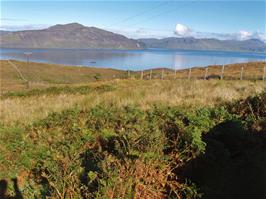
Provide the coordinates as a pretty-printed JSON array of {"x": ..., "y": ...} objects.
[
  {"x": 251, "y": 45},
  {"x": 75, "y": 35},
  {"x": 71, "y": 35},
  {"x": 3, "y": 32}
]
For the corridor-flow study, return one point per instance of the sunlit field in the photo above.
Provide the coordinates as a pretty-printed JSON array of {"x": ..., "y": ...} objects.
[
  {"x": 26, "y": 106},
  {"x": 133, "y": 99},
  {"x": 69, "y": 136}
]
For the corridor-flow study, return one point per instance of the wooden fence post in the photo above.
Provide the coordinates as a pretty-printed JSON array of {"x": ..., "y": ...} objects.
[
  {"x": 241, "y": 74},
  {"x": 128, "y": 74},
  {"x": 189, "y": 74},
  {"x": 162, "y": 74},
  {"x": 141, "y": 75},
  {"x": 206, "y": 73},
  {"x": 264, "y": 73},
  {"x": 222, "y": 73},
  {"x": 175, "y": 74},
  {"x": 151, "y": 74}
]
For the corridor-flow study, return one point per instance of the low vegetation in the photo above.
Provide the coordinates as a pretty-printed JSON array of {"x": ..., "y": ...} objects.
[
  {"x": 134, "y": 139},
  {"x": 126, "y": 152}
]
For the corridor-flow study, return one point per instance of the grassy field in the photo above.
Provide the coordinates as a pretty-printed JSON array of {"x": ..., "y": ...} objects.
[
  {"x": 95, "y": 133},
  {"x": 46, "y": 75},
  {"x": 27, "y": 106}
]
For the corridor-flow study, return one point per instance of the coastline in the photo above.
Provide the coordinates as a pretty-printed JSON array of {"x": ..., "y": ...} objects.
[{"x": 133, "y": 60}]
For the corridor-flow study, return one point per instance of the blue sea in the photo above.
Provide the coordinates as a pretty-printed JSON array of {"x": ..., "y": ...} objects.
[{"x": 132, "y": 59}]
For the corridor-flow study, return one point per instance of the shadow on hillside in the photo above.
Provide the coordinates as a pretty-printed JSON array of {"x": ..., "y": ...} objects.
[
  {"x": 234, "y": 164},
  {"x": 3, "y": 190}
]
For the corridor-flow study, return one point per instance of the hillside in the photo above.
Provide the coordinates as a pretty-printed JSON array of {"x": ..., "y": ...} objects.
[
  {"x": 251, "y": 45},
  {"x": 79, "y": 132},
  {"x": 3, "y": 32},
  {"x": 135, "y": 139},
  {"x": 71, "y": 35},
  {"x": 45, "y": 75}
]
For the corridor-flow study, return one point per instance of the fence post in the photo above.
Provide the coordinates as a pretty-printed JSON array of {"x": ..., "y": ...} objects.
[
  {"x": 162, "y": 74},
  {"x": 264, "y": 71},
  {"x": 151, "y": 74},
  {"x": 222, "y": 74},
  {"x": 175, "y": 74},
  {"x": 141, "y": 75},
  {"x": 128, "y": 73},
  {"x": 189, "y": 74},
  {"x": 206, "y": 73},
  {"x": 241, "y": 74}
]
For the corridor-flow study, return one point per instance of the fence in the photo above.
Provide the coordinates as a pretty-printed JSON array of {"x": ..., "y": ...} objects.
[
  {"x": 249, "y": 71},
  {"x": 224, "y": 72}
]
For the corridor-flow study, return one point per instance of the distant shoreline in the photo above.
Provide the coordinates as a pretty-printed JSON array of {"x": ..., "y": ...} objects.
[
  {"x": 132, "y": 59},
  {"x": 154, "y": 69},
  {"x": 143, "y": 49}
]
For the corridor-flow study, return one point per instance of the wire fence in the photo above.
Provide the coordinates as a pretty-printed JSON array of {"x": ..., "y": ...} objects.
[{"x": 224, "y": 72}]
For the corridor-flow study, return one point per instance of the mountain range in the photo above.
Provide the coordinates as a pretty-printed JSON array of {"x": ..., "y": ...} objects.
[
  {"x": 189, "y": 43},
  {"x": 71, "y": 35},
  {"x": 75, "y": 35},
  {"x": 3, "y": 32}
]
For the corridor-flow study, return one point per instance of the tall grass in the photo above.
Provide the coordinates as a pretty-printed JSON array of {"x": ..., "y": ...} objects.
[{"x": 30, "y": 105}]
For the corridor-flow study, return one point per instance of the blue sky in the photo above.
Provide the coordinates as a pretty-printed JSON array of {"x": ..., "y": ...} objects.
[{"x": 220, "y": 19}]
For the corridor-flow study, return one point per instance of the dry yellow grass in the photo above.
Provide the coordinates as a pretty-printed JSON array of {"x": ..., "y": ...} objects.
[
  {"x": 43, "y": 75},
  {"x": 179, "y": 92},
  {"x": 194, "y": 93},
  {"x": 251, "y": 70}
]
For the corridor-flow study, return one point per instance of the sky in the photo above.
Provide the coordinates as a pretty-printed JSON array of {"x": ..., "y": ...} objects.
[{"x": 235, "y": 19}]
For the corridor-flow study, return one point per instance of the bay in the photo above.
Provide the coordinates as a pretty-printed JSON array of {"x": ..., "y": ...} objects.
[{"x": 132, "y": 59}]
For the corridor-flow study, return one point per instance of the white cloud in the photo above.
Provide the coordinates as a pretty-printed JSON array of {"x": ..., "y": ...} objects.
[
  {"x": 183, "y": 31},
  {"x": 243, "y": 35}
]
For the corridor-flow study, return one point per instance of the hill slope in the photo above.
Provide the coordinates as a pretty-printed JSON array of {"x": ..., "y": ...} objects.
[
  {"x": 94, "y": 142},
  {"x": 71, "y": 35},
  {"x": 45, "y": 75},
  {"x": 251, "y": 45}
]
